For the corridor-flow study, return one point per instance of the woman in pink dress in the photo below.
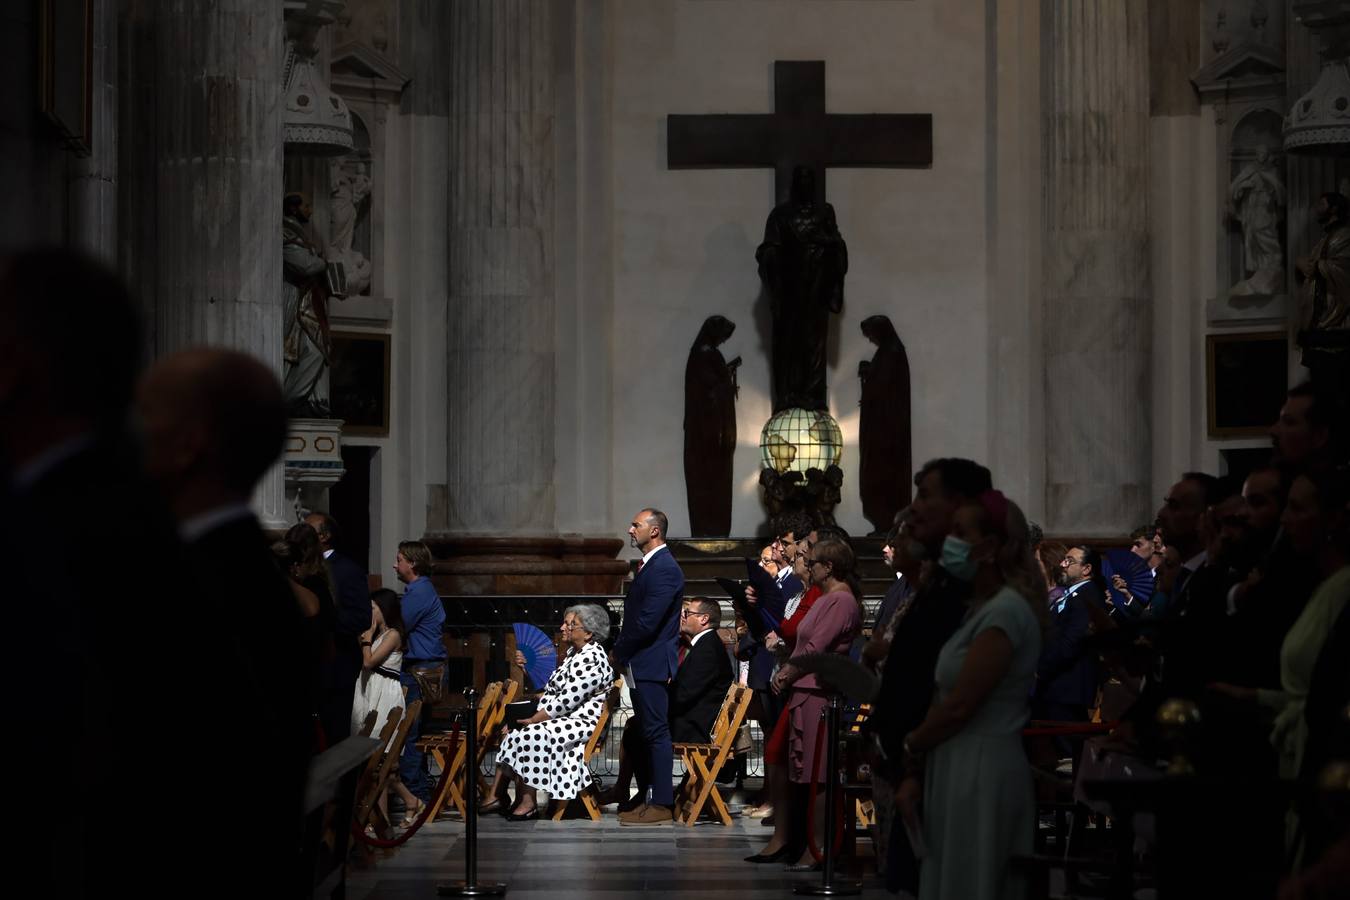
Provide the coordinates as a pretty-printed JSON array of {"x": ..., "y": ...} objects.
[{"x": 834, "y": 621}]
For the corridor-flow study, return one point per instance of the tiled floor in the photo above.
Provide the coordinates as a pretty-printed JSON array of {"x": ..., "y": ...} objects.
[{"x": 579, "y": 858}]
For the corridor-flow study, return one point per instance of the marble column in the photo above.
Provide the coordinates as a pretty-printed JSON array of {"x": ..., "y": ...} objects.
[
  {"x": 1096, "y": 278},
  {"x": 500, "y": 337},
  {"x": 218, "y": 184}
]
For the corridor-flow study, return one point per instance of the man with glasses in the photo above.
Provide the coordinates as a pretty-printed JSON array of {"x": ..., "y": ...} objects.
[
  {"x": 1067, "y": 676},
  {"x": 704, "y": 673}
]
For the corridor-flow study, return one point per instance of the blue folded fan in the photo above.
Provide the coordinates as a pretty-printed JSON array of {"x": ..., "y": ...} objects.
[
  {"x": 1135, "y": 572},
  {"x": 541, "y": 658}
]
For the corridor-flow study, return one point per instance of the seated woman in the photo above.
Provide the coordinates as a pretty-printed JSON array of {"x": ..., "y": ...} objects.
[
  {"x": 379, "y": 688},
  {"x": 548, "y": 751}
]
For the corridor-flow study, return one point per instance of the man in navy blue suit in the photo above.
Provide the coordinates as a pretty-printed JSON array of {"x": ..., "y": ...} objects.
[
  {"x": 351, "y": 596},
  {"x": 647, "y": 651},
  {"x": 1067, "y": 677}
]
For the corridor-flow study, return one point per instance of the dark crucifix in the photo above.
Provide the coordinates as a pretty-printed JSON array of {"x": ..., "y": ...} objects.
[
  {"x": 803, "y": 259},
  {"x": 799, "y": 133}
]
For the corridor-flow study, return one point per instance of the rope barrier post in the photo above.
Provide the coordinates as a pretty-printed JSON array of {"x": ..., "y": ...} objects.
[
  {"x": 828, "y": 887},
  {"x": 470, "y": 887}
]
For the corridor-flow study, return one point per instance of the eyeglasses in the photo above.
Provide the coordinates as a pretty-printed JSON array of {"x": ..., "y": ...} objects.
[
  {"x": 686, "y": 613},
  {"x": 1072, "y": 560}
]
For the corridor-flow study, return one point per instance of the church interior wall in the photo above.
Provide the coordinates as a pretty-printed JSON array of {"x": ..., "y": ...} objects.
[{"x": 684, "y": 241}]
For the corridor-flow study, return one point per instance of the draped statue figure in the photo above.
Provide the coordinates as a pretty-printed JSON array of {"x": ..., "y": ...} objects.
[
  {"x": 710, "y": 429},
  {"x": 802, "y": 264}
]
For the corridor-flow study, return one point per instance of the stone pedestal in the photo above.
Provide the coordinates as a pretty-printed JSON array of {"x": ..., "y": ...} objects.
[
  {"x": 1097, "y": 288},
  {"x": 526, "y": 565},
  {"x": 313, "y": 460}
]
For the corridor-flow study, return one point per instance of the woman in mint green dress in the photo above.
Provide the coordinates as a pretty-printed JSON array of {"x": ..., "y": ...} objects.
[{"x": 978, "y": 810}]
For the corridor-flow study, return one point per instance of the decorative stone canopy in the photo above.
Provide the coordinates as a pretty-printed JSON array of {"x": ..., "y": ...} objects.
[
  {"x": 316, "y": 122},
  {"x": 1319, "y": 122}
]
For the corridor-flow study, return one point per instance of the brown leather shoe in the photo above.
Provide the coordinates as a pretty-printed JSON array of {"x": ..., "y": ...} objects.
[
  {"x": 625, "y": 814},
  {"x": 649, "y": 815}
]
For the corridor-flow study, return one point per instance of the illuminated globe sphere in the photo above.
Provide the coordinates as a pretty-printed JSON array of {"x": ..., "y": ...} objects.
[{"x": 795, "y": 440}]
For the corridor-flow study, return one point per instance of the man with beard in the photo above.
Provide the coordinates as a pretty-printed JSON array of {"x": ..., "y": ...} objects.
[
  {"x": 933, "y": 615},
  {"x": 1303, "y": 438},
  {"x": 1067, "y": 675}
]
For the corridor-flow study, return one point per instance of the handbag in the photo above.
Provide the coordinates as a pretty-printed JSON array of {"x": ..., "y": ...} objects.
[{"x": 431, "y": 682}]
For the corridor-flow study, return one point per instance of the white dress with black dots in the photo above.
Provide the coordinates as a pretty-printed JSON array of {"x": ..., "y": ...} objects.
[{"x": 549, "y": 755}]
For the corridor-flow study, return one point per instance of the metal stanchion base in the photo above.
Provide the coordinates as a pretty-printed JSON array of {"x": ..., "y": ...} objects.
[
  {"x": 833, "y": 889},
  {"x": 464, "y": 889}
]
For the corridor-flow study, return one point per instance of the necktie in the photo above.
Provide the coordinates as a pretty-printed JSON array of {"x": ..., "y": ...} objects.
[{"x": 684, "y": 650}]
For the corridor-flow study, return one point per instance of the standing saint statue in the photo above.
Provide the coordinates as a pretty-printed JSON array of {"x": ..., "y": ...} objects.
[
  {"x": 351, "y": 186},
  {"x": 1257, "y": 200},
  {"x": 307, "y": 343},
  {"x": 1324, "y": 314},
  {"x": 710, "y": 429},
  {"x": 884, "y": 431},
  {"x": 802, "y": 263}
]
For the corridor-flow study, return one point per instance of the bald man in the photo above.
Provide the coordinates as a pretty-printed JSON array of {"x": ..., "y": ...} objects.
[{"x": 214, "y": 422}]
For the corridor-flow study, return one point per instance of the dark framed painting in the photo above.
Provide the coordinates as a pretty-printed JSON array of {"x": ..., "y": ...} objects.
[
  {"x": 1246, "y": 377},
  {"x": 358, "y": 382},
  {"x": 66, "y": 69}
]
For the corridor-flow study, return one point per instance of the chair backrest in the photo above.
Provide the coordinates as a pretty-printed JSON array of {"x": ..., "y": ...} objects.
[
  {"x": 730, "y": 716},
  {"x": 600, "y": 723},
  {"x": 369, "y": 724}
]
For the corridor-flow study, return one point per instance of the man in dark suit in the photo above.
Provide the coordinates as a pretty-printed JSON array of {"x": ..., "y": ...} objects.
[
  {"x": 704, "y": 673},
  {"x": 1067, "y": 677},
  {"x": 352, "y": 607},
  {"x": 69, "y": 354},
  {"x": 214, "y": 422},
  {"x": 646, "y": 651}
]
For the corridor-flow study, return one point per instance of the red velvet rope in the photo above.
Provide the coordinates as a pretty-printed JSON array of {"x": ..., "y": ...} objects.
[{"x": 422, "y": 817}]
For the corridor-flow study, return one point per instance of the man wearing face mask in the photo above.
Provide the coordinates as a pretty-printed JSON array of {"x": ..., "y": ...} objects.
[
  {"x": 931, "y": 617},
  {"x": 1067, "y": 676}
]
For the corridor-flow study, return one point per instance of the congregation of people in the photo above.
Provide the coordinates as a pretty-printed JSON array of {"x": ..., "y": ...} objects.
[{"x": 987, "y": 626}]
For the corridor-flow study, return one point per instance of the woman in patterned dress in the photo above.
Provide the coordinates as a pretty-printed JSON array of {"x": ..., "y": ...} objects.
[{"x": 547, "y": 753}]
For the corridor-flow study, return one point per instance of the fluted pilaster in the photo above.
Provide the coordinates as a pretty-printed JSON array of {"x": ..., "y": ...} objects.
[
  {"x": 500, "y": 422},
  {"x": 219, "y": 165},
  {"x": 1097, "y": 288}
]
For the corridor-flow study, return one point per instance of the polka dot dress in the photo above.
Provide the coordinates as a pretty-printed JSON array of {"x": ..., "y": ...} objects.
[{"x": 550, "y": 756}]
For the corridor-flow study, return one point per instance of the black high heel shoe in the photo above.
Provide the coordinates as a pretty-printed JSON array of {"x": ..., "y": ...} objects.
[
  {"x": 523, "y": 817},
  {"x": 779, "y": 854}
]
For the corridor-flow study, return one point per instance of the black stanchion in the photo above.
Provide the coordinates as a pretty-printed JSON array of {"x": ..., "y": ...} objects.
[
  {"x": 828, "y": 887},
  {"x": 470, "y": 886}
]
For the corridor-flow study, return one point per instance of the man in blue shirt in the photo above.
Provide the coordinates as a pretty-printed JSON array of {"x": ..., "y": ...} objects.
[{"x": 424, "y": 617}]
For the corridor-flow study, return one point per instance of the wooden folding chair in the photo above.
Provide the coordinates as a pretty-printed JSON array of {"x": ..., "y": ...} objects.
[
  {"x": 704, "y": 762},
  {"x": 382, "y": 768},
  {"x": 587, "y": 795},
  {"x": 491, "y": 712}
]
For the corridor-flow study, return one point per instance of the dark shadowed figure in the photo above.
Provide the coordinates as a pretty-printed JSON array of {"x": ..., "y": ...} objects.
[
  {"x": 802, "y": 263},
  {"x": 884, "y": 433},
  {"x": 710, "y": 429}
]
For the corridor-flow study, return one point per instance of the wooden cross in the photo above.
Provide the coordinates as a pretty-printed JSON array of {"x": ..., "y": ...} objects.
[{"x": 799, "y": 132}]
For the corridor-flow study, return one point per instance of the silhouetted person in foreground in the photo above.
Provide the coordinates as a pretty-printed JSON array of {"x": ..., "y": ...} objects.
[
  {"x": 214, "y": 423},
  {"x": 82, "y": 539}
]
